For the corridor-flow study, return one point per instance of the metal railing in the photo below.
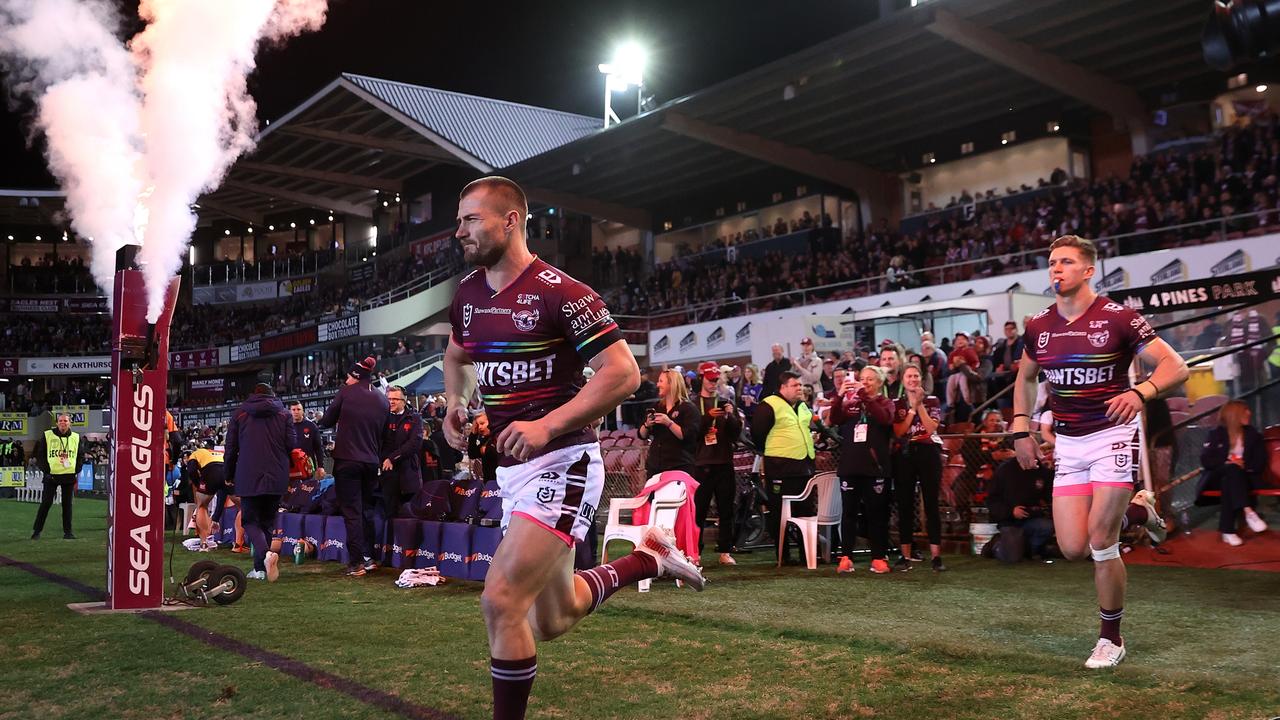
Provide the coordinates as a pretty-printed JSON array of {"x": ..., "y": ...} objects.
[
  {"x": 268, "y": 269},
  {"x": 413, "y": 287},
  {"x": 1109, "y": 247}
]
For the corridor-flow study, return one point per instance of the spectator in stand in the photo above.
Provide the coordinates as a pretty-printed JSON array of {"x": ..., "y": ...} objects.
[
  {"x": 918, "y": 462},
  {"x": 935, "y": 363},
  {"x": 984, "y": 368},
  {"x": 773, "y": 371},
  {"x": 671, "y": 427},
  {"x": 1005, "y": 356},
  {"x": 751, "y": 391},
  {"x": 1234, "y": 459},
  {"x": 809, "y": 365},
  {"x": 864, "y": 416},
  {"x": 828, "y": 379},
  {"x": 718, "y": 432},
  {"x": 891, "y": 363},
  {"x": 962, "y": 381},
  {"x": 926, "y": 381}
]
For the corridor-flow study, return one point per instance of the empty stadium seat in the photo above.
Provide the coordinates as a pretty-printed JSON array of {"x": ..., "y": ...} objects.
[{"x": 1178, "y": 403}]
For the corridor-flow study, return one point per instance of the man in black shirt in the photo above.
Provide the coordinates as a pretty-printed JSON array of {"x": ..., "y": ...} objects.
[
  {"x": 773, "y": 371},
  {"x": 1023, "y": 498},
  {"x": 718, "y": 431}
]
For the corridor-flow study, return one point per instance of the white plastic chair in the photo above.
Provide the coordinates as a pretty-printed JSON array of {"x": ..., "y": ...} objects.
[
  {"x": 826, "y": 484},
  {"x": 664, "y": 505}
]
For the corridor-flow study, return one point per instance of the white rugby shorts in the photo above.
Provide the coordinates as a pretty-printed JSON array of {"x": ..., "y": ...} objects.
[
  {"x": 559, "y": 490},
  {"x": 1107, "y": 458}
]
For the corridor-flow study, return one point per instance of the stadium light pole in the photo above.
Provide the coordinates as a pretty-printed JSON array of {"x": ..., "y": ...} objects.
[{"x": 627, "y": 69}]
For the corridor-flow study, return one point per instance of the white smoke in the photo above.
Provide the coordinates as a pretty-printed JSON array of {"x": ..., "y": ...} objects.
[
  {"x": 136, "y": 137},
  {"x": 65, "y": 55}
]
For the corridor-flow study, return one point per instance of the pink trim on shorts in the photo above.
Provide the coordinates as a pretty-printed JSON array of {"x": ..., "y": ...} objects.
[
  {"x": 1086, "y": 488},
  {"x": 568, "y": 539}
]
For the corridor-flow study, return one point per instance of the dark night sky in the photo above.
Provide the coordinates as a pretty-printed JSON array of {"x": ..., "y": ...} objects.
[{"x": 540, "y": 53}]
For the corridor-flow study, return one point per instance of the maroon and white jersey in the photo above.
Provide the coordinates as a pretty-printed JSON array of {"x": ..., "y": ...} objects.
[
  {"x": 1086, "y": 362},
  {"x": 916, "y": 433},
  {"x": 529, "y": 342}
]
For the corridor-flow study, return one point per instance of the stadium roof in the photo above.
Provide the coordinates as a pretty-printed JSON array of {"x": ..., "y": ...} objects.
[
  {"x": 844, "y": 109},
  {"x": 361, "y": 135}
]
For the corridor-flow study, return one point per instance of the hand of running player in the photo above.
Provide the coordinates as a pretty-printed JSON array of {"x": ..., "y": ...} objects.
[
  {"x": 1029, "y": 456},
  {"x": 520, "y": 440},
  {"x": 454, "y": 421},
  {"x": 1124, "y": 407}
]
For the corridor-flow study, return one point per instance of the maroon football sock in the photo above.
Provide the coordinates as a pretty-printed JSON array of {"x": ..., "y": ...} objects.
[
  {"x": 604, "y": 580},
  {"x": 512, "y": 681},
  {"x": 1110, "y": 624},
  {"x": 1134, "y": 515}
]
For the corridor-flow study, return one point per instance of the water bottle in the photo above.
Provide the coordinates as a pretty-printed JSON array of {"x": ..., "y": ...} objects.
[{"x": 297, "y": 553}]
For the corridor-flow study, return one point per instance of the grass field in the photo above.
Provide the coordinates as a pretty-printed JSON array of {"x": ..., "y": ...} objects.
[{"x": 980, "y": 641}]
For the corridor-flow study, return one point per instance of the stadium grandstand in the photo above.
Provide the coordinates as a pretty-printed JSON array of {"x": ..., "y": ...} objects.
[{"x": 883, "y": 197}]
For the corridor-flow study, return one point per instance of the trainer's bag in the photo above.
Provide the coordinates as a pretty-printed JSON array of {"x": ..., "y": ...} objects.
[{"x": 301, "y": 465}]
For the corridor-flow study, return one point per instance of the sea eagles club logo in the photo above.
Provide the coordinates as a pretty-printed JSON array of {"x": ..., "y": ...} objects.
[
  {"x": 466, "y": 314},
  {"x": 525, "y": 319},
  {"x": 1098, "y": 339}
]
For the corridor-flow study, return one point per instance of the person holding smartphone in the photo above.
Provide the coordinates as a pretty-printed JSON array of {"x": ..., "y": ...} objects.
[
  {"x": 718, "y": 431},
  {"x": 671, "y": 427},
  {"x": 865, "y": 418}
]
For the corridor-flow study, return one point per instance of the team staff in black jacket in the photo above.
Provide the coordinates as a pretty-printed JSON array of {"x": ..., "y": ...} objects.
[
  {"x": 308, "y": 436},
  {"x": 359, "y": 413},
  {"x": 401, "y": 472},
  {"x": 718, "y": 430},
  {"x": 865, "y": 418}
]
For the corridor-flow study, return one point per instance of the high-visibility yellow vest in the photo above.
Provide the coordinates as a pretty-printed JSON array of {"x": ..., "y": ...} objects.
[
  {"x": 204, "y": 456},
  {"x": 61, "y": 452},
  {"x": 789, "y": 437},
  {"x": 1275, "y": 354}
]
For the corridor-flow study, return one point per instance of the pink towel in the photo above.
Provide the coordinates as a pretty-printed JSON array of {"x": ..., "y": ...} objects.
[{"x": 686, "y": 528}]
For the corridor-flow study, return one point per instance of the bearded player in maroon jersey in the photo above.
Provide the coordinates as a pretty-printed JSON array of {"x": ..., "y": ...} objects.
[
  {"x": 522, "y": 331},
  {"x": 1084, "y": 344}
]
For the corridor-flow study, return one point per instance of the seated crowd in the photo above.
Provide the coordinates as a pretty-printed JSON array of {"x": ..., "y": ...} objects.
[
  {"x": 1234, "y": 175},
  {"x": 201, "y": 326}
]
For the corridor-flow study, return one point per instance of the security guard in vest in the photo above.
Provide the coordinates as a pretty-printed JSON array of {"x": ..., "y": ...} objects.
[
  {"x": 781, "y": 425},
  {"x": 60, "y": 455}
]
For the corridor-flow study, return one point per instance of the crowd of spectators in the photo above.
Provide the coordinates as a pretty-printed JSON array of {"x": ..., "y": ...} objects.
[
  {"x": 197, "y": 326},
  {"x": 36, "y": 397},
  {"x": 1229, "y": 175},
  {"x": 48, "y": 275}
]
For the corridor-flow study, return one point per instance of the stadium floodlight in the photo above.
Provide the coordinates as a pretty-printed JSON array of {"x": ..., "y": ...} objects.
[{"x": 626, "y": 70}]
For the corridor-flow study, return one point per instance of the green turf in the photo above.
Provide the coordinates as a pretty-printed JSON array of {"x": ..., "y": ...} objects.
[{"x": 981, "y": 641}]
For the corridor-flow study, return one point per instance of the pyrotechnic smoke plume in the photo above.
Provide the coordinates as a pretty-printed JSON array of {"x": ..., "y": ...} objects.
[{"x": 136, "y": 134}]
